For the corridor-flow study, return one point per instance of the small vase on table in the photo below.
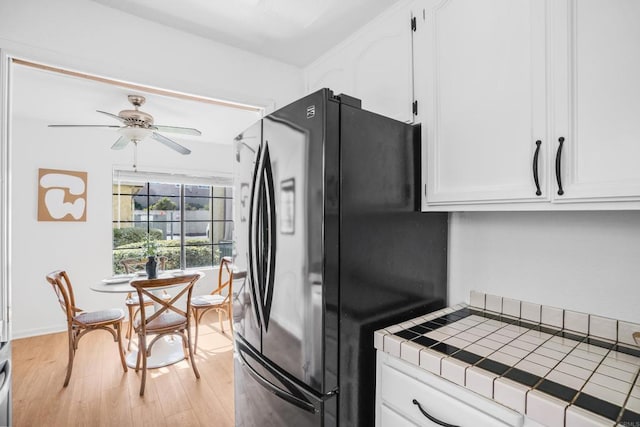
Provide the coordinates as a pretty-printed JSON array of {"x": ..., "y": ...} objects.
[{"x": 152, "y": 267}]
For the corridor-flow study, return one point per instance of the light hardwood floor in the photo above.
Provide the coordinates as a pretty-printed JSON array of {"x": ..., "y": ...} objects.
[{"x": 101, "y": 394}]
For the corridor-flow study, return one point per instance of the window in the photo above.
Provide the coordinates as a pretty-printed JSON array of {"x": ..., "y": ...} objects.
[{"x": 192, "y": 224}]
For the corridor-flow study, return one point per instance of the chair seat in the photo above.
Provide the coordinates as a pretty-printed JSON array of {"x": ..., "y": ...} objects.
[
  {"x": 207, "y": 300},
  {"x": 92, "y": 317},
  {"x": 134, "y": 300},
  {"x": 163, "y": 321}
]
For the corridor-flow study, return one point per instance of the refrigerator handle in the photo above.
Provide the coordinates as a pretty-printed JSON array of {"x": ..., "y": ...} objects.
[
  {"x": 271, "y": 251},
  {"x": 262, "y": 246},
  {"x": 275, "y": 389},
  {"x": 253, "y": 279}
]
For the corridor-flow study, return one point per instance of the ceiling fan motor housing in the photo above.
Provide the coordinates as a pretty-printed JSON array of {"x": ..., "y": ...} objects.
[{"x": 136, "y": 118}]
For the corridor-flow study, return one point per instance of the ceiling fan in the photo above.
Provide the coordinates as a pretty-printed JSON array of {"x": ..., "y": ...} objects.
[{"x": 138, "y": 125}]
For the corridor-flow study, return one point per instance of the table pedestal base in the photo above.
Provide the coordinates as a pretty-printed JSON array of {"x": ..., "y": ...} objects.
[{"x": 166, "y": 351}]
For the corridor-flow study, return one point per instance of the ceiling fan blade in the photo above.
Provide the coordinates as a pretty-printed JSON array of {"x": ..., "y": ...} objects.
[
  {"x": 177, "y": 129},
  {"x": 84, "y": 126},
  {"x": 120, "y": 143},
  {"x": 170, "y": 143},
  {"x": 112, "y": 115}
]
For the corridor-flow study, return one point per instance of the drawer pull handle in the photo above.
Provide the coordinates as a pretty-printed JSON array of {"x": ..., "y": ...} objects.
[{"x": 431, "y": 417}]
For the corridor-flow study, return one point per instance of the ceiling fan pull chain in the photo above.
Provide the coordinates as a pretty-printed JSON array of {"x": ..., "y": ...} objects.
[{"x": 135, "y": 156}]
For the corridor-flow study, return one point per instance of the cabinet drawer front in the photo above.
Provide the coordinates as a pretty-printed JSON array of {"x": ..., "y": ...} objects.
[
  {"x": 389, "y": 417},
  {"x": 398, "y": 391}
]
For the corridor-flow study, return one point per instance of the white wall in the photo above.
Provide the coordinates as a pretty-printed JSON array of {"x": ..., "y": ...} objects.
[
  {"x": 88, "y": 37},
  {"x": 583, "y": 261}
]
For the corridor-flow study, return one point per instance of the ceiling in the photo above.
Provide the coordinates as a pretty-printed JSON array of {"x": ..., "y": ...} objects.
[{"x": 292, "y": 31}]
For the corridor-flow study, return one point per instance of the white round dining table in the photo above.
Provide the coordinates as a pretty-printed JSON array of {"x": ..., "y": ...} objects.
[{"x": 165, "y": 351}]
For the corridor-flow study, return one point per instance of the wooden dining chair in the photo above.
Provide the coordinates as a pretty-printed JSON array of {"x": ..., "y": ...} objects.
[
  {"x": 218, "y": 299},
  {"x": 133, "y": 265},
  {"x": 168, "y": 318},
  {"x": 80, "y": 322}
]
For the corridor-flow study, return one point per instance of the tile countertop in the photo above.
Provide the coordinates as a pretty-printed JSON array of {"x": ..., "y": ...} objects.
[{"x": 559, "y": 367}]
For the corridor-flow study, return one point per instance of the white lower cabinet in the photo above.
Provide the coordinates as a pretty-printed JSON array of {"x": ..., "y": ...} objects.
[{"x": 404, "y": 392}]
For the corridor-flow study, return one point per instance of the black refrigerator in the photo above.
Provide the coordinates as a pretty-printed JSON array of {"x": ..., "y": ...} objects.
[{"x": 328, "y": 228}]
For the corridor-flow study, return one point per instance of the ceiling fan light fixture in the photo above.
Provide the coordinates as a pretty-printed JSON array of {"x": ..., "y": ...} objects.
[{"x": 135, "y": 133}]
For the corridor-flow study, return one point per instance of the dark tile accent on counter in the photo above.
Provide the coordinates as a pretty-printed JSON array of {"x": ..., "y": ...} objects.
[
  {"x": 572, "y": 336},
  {"x": 407, "y": 334},
  {"x": 497, "y": 316},
  {"x": 547, "y": 330},
  {"x": 522, "y": 377},
  {"x": 431, "y": 325},
  {"x": 426, "y": 341},
  {"x": 466, "y": 356},
  {"x": 450, "y": 318},
  {"x": 463, "y": 312},
  {"x": 491, "y": 316},
  {"x": 447, "y": 319},
  {"x": 438, "y": 321},
  {"x": 598, "y": 406},
  {"x": 493, "y": 366},
  {"x": 418, "y": 329},
  {"x": 599, "y": 343},
  {"x": 557, "y": 390},
  {"x": 629, "y": 418},
  {"x": 445, "y": 348},
  {"x": 627, "y": 350},
  {"x": 525, "y": 324}
]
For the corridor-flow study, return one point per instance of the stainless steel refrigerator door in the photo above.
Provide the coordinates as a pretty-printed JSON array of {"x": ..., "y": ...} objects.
[
  {"x": 289, "y": 239},
  {"x": 265, "y": 397},
  {"x": 246, "y": 318},
  {"x": 295, "y": 336}
]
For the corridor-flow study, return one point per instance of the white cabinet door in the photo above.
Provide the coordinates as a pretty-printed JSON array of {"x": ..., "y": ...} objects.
[
  {"x": 596, "y": 63},
  {"x": 481, "y": 68},
  {"x": 375, "y": 65}
]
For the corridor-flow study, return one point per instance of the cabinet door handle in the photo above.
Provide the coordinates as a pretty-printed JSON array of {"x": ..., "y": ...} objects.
[
  {"x": 535, "y": 168},
  {"x": 559, "y": 166},
  {"x": 431, "y": 417}
]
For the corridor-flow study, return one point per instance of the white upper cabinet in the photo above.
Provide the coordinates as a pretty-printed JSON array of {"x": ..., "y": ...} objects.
[
  {"x": 481, "y": 70},
  {"x": 374, "y": 65},
  {"x": 496, "y": 76},
  {"x": 596, "y": 104}
]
